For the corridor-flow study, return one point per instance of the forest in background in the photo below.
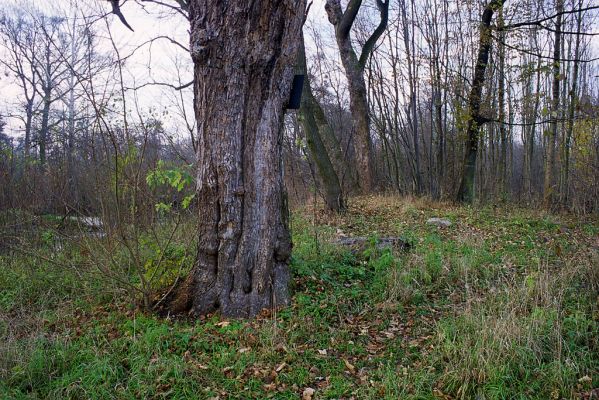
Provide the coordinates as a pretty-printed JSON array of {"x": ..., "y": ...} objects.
[{"x": 536, "y": 122}]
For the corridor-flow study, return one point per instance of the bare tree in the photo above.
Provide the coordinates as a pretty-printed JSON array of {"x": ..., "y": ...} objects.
[
  {"x": 52, "y": 71},
  {"x": 20, "y": 40},
  {"x": 475, "y": 119},
  {"x": 354, "y": 71}
]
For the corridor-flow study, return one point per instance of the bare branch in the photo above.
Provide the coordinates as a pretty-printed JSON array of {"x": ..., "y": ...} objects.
[
  {"x": 170, "y": 85},
  {"x": 540, "y": 21},
  {"x": 383, "y": 7},
  {"x": 116, "y": 10},
  {"x": 182, "y": 8},
  {"x": 343, "y": 21}
]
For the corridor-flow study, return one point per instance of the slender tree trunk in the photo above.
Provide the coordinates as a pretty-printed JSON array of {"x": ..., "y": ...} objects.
[
  {"x": 509, "y": 170},
  {"x": 440, "y": 144},
  {"x": 571, "y": 111},
  {"x": 244, "y": 56},
  {"x": 442, "y": 157},
  {"x": 333, "y": 194},
  {"x": 72, "y": 187},
  {"x": 412, "y": 116},
  {"x": 529, "y": 165},
  {"x": 431, "y": 151},
  {"x": 43, "y": 132},
  {"x": 345, "y": 173},
  {"x": 550, "y": 161},
  {"x": 501, "y": 97},
  {"x": 466, "y": 189},
  {"x": 28, "y": 126}
]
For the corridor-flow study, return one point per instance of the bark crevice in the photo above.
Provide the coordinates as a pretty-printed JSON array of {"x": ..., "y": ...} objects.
[{"x": 244, "y": 58}]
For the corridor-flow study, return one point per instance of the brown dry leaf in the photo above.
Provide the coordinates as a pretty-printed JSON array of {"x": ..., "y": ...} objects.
[
  {"x": 280, "y": 367},
  {"x": 440, "y": 395},
  {"x": 223, "y": 324},
  {"x": 269, "y": 387},
  {"x": 349, "y": 367},
  {"x": 308, "y": 393}
]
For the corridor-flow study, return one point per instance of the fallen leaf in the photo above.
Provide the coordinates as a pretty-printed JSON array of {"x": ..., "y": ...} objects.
[
  {"x": 349, "y": 367},
  {"x": 244, "y": 349},
  {"x": 308, "y": 393},
  {"x": 280, "y": 367},
  {"x": 322, "y": 352},
  {"x": 269, "y": 387}
]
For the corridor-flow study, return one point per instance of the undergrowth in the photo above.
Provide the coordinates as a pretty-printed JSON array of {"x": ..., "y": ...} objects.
[{"x": 501, "y": 305}]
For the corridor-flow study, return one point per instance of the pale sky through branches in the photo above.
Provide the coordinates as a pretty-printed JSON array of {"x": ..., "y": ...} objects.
[{"x": 148, "y": 61}]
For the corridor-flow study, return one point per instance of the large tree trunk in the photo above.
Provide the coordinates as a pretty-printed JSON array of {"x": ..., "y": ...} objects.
[
  {"x": 244, "y": 55},
  {"x": 333, "y": 194},
  {"x": 466, "y": 190}
]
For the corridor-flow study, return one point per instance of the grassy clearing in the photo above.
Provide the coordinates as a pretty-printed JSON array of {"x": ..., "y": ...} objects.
[{"x": 501, "y": 305}]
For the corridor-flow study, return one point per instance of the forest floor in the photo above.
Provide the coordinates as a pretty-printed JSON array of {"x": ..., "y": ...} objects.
[{"x": 502, "y": 304}]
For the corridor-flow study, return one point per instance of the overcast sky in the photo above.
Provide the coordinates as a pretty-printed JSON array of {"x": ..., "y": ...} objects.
[{"x": 157, "y": 62}]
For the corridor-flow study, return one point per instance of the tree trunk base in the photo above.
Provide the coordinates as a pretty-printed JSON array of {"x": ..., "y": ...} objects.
[{"x": 187, "y": 298}]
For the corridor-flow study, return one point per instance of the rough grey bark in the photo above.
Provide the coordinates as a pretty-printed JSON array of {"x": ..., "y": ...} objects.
[
  {"x": 244, "y": 56},
  {"x": 312, "y": 127},
  {"x": 475, "y": 119},
  {"x": 354, "y": 71}
]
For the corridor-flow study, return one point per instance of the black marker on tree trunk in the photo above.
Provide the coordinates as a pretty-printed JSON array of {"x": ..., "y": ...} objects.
[{"x": 295, "y": 98}]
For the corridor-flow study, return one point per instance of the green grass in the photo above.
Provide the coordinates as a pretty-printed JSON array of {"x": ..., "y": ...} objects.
[{"x": 501, "y": 305}]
